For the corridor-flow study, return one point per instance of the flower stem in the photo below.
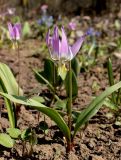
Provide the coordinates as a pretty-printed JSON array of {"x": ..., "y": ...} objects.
[
  {"x": 17, "y": 108},
  {"x": 54, "y": 92},
  {"x": 69, "y": 106},
  {"x": 70, "y": 97},
  {"x": 18, "y": 56}
]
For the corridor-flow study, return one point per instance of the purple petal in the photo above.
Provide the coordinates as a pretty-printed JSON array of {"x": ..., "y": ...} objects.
[
  {"x": 48, "y": 38},
  {"x": 64, "y": 48},
  {"x": 14, "y": 31},
  {"x": 18, "y": 27},
  {"x": 72, "y": 25},
  {"x": 77, "y": 45},
  {"x": 11, "y": 31},
  {"x": 18, "y": 30},
  {"x": 55, "y": 43},
  {"x": 44, "y": 7}
]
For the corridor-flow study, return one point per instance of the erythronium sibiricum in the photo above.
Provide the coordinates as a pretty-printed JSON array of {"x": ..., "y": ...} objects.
[
  {"x": 15, "y": 36},
  {"x": 59, "y": 48},
  {"x": 14, "y": 31},
  {"x": 72, "y": 25}
]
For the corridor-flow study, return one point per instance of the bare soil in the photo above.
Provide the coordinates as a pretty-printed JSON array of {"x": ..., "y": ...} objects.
[{"x": 101, "y": 140}]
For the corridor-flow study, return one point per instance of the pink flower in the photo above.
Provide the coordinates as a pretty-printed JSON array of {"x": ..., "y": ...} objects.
[
  {"x": 59, "y": 48},
  {"x": 14, "y": 31},
  {"x": 72, "y": 25},
  {"x": 44, "y": 7}
]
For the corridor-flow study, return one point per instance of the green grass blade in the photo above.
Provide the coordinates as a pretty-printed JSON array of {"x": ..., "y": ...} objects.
[
  {"x": 11, "y": 114},
  {"x": 53, "y": 114},
  {"x": 45, "y": 80},
  {"x": 9, "y": 80},
  {"x": 9, "y": 85},
  {"x": 94, "y": 106},
  {"x": 109, "y": 104},
  {"x": 111, "y": 77}
]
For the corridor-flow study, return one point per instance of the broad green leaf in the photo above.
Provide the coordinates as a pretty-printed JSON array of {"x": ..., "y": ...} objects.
[
  {"x": 108, "y": 103},
  {"x": 11, "y": 113},
  {"x": 6, "y": 140},
  {"x": 75, "y": 66},
  {"x": 49, "y": 74},
  {"x": 117, "y": 24},
  {"x": 9, "y": 106},
  {"x": 40, "y": 78},
  {"x": 38, "y": 98},
  {"x": 33, "y": 138},
  {"x": 61, "y": 104},
  {"x": 50, "y": 112},
  {"x": 74, "y": 85},
  {"x": 25, "y": 134},
  {"x": 94, "y": 106},
  {"x": 9, "y": 81},
  {"x": 49, "y": 70},
  {"x": 14, "y": 132},
  {"x": 43, "y": 126},
  {"x": 26, "y": 32},
  {"x": 9, "y": 85}
]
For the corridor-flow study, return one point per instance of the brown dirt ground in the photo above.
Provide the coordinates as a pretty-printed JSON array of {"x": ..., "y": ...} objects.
[{"x": 102, "y": 138}]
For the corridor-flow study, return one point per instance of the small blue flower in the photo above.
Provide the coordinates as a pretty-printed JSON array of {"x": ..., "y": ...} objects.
[
  {"x": 92, "y": 32},
  {"x": 46, "y": 20}
]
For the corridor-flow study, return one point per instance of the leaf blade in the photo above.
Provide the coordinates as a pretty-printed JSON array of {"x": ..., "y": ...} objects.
[
  {"x": 53, "y": 114},
  {"x": 94, "y": 106},
  {"x": 6, "y": 140}
]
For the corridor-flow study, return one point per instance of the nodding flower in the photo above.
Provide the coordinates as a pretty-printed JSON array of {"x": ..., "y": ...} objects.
[
  {"x": 72, "y": 25},
  {"x": 14, "y": 31},
  {"x": 59, "y": 48},
  {"x": 44, "y": 7}
]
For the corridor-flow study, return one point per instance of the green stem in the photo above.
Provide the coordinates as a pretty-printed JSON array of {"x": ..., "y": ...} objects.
[
  {"x": 69, "y": 106},
  {"x": 18, "y": 56},
  {"x": 54, "y": 78},
  {"x": 70, "y": 97},
  {"x": 48, "y": 83},
  {"x": 54, "y": 92}
]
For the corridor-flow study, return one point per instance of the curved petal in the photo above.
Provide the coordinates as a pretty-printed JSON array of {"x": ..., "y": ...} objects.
[
  {"x": 71, "y": 56},
  {"x": 11, "y": 32},
  {"x": 64, "y": 49},
  {"x": 77, "y": 45},
  {"x": 48, "y": 38},
  {"x": 55, "y": 43},
  {"x": 18, "y": 26},
  {"x": 17, "y": 30}
]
